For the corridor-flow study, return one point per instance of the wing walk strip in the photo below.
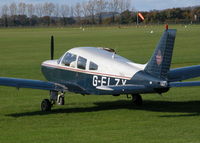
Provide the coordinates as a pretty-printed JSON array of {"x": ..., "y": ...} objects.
[{"x": 87, "y": 72}]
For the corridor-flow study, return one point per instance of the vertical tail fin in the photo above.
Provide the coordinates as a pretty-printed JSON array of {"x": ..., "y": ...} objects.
[{"x": 160, "y": 62}]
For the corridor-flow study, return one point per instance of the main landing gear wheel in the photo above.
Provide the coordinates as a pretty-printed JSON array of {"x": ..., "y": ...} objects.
[
  {"x": 137, "y": 99},
  {"x": 46, "y": 105}
]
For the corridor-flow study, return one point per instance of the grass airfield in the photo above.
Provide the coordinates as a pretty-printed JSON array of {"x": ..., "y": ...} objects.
[{"x": 173, "y": 117}]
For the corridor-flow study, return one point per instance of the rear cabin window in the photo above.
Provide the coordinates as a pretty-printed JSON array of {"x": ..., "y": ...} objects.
[
  {"x": 69, "y": 60},
  {"x": 81, "y": 64},
  {"x": 93, "y": 66}
]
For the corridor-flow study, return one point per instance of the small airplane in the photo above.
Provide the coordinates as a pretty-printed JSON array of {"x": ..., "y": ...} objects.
[{"x": 100, "y": 71}]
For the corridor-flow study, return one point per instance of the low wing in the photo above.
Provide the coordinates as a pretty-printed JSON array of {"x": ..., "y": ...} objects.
[
  {"x": 29, "y": 83},
  {"x": 184, "y": 84},
  {"x": 129, "y": 88},
  {"x": 184, "y": 73}
]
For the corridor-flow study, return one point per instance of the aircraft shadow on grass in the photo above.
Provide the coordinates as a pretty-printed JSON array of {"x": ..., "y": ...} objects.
[{"x": 174, "y": 108}]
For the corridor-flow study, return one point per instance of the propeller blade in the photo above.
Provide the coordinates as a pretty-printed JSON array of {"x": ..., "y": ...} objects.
[{"x": 52, "y": 47}]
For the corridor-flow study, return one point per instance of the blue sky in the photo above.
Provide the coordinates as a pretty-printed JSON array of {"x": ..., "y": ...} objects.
[{"x": 140, "y": 5}]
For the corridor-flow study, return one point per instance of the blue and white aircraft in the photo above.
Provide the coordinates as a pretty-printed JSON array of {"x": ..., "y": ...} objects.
[{"x": 100, "y": 71}]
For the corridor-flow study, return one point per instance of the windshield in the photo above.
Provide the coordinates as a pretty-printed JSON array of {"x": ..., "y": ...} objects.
[{"x": 69, "y": 60}]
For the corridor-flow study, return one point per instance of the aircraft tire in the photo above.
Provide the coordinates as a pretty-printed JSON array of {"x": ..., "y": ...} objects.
[
  {"x": 46, "y": 105},
  {"x": 137, "y": 99}
]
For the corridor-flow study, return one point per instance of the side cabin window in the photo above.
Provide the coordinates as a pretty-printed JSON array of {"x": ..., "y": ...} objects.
[
  {"x": 93, "y": 66},
  {"x": 69, "y": 60},
  {"x": 81, "y": 64}
]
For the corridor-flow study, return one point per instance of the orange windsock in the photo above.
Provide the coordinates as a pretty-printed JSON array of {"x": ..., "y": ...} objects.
[{"x": 141, "y": 16}]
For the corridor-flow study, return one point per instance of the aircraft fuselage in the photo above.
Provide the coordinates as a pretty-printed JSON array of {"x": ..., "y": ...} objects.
[{"x": 84, "y": 81}]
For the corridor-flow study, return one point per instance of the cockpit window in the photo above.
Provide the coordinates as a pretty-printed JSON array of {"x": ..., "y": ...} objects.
[
  {"x": 81, "y": 64},
  {"x": 93, "y": 66},
  {"x": 69, "y": 60}
]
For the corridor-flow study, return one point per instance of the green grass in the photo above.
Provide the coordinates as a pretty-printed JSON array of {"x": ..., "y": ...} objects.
[{"x": 171, "y": 118}]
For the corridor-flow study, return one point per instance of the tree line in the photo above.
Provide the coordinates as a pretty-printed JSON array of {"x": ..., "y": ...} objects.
[
  {"x": 187, "y": 15},
  {"x": 90, "y": 12}
]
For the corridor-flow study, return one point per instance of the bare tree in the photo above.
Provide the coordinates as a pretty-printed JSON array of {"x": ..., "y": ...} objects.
[
  {"x": 21, "y": 8},
  {"x": 124, "y": 5},
  {"x": 5, "y": 14},
  {"x": 127, "y": 4},
  {"x": 77, "y": 11},
  {"x": 100, "y": 8},
  {"x": 31, "y": 10},
  {"x": 45, "y": 9},
  {"x": 51, "y": 9},
  {"x": 48, "y": 8},
  {"x": 13, "y": 9},
  {"x": 65, "y": 10},
  {"x": 57, "y": 10},
  {"x": 85, "y": 9},
  {"x": 39, "y": 9},
  {"x": 114, "y": 8},
  {"x": 13, "y": 12},
  {"x": 91, "y": 9},
  {"x": 4, "y": 10},
  {"x": 71, "y": 11}
]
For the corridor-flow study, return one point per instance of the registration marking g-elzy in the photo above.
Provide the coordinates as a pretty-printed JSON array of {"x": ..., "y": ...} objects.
[{"x": 107, "y": 81}]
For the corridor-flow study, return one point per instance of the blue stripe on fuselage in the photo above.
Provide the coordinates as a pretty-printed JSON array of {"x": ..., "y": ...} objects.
[
  {"x": 85, "y": 83},
  {"x": 88, "y": 82}
]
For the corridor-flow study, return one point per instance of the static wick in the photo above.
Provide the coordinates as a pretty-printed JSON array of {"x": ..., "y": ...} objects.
[{"x": 166, "y": 26}]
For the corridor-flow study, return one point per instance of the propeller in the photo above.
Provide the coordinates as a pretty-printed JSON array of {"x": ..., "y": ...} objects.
[{"x": 52, "y": 47}]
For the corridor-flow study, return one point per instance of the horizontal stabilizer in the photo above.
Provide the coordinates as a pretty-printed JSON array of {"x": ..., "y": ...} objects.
[
  {"x": 179, "y": 74},
  {"x": 184, "y": 84},
  {"x": 29, "y": 83},
  {"x": 122, "y": 88}
]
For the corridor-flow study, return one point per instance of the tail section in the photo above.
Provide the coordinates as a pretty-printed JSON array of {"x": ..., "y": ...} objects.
[{"x": 160, "y": 62}]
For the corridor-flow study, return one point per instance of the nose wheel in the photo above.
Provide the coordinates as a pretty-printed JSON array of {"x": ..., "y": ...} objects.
[{"x": 46, "y": 105}]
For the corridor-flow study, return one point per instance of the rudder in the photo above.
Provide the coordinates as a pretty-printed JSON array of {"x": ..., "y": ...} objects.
[{"x": 160, "y": 62}]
